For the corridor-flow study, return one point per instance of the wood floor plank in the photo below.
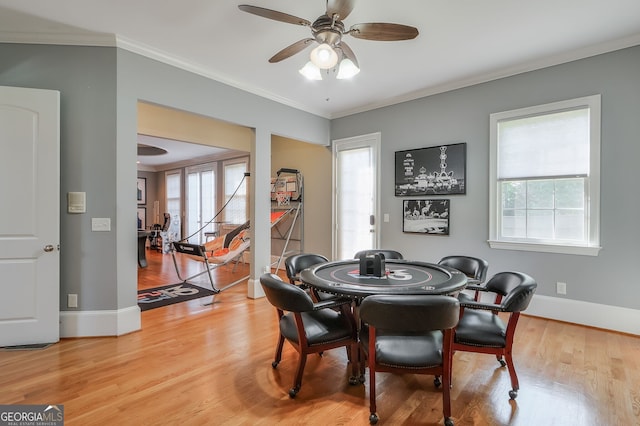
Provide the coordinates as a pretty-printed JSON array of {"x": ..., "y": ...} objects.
[{"x": 195, "y": 364}]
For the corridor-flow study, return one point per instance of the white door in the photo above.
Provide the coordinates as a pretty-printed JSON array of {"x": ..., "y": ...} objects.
[
  {"x": 29, "y": 228},
  {"x": 355, "y": 195}
]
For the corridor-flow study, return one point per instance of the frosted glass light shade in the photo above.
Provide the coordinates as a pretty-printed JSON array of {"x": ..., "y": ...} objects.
[
  {"x": 347, "y": 69},
  {"x": 310, "y": 71},
  {"x": 324, "y": 57}
]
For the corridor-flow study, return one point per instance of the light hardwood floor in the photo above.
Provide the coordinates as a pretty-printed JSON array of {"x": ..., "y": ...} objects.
[{"x": 195, "y": 365}]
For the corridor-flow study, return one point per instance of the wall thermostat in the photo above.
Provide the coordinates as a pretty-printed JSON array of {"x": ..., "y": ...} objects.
[{"x": 77, "y": 202}]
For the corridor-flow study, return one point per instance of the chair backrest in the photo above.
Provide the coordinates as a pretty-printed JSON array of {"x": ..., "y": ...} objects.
[
  {"x": 296, "y": 263},
  {"x": 516, "y": 288},
  {"x": 472, "y": 267},
  {"x": 167, "y": 222},
  {"x": 388, "y": 254},
  {"x": 285, "y": 296},
  {"x": 229, "y": 236},
  {"x": 410, "y": 313}
]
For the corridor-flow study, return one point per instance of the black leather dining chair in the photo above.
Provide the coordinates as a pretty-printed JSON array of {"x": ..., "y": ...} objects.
[
  {"x": 473, "y": 267},
  {"x": 481, "y": 329},
  {"x": 388, "y": 254},
  {"x": 298, "y": 262},
  {"x": 409, "y": 334},
  {"x": 309, "y": 327}
]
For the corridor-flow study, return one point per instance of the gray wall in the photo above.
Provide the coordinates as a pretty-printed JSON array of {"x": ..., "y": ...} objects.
[
  {"x": 100, "y": 88},
  {"x": 86, "y": 79},
  {"x": 463, "y": 116}
]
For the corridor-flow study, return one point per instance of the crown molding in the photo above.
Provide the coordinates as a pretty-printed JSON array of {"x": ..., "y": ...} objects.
[
  {"x": 114, "y": 40},
  {"x": 67, "y": 39},
  {"x": 169, "y": 59},
  {"x": 546, "y": 62}
]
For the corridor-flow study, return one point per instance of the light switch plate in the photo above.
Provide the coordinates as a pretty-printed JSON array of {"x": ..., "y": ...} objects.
[{"x": 100, "y": 224}]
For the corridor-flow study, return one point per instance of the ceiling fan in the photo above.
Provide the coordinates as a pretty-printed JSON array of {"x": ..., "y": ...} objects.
[{"x": 327, "y": 31}]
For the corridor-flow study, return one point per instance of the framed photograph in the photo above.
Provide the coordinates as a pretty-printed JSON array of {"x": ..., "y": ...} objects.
[
  {"x": 142, "y": 190},
  {"x": 142, "y": 218},
  {"x": 426, "y": 216},
  {"x": 436, "y": 170}
]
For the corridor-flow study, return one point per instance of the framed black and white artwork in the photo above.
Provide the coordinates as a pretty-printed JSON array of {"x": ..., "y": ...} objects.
[
  {"x": 142, "y": 191},
  {"x": 426, "y": 216},
  {"x": 142, "y": 218},
  {"x": 436, "y": 170}
]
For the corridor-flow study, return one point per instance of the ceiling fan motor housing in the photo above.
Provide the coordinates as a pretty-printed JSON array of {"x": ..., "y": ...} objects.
[{"x": 326, "y": 30}]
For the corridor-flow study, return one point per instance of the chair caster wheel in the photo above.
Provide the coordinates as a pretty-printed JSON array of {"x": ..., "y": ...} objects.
[
  {"x": 353, "y": 380},
  {"x": 502, "y": 362},
  {"x": 513, "y": 394},
  {"x": 437, "y": 382},
  {"x": 293, "y": 392},
  {"x": 274, "y": 364},
  {"x": 373, "y": 419},
  {"x": 448, "y": 421},
  {"x": 362, "y": 379}
]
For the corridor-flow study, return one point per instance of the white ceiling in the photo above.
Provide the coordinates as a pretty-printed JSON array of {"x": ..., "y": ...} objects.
[
  {"x": 460, "y": 43},
  {"x": 178, "y": 153}
]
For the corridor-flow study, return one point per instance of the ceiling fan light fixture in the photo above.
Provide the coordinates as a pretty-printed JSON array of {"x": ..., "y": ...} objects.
[
  {"x": 324, "y": 57},
  {"x": 347, "y": 69},
  {"x": 310, "y": 71}
]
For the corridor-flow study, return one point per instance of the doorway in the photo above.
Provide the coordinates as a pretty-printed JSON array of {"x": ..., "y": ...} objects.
[
  {"x": 356, "y": 182},
  {"x": 186, "y": 180}
]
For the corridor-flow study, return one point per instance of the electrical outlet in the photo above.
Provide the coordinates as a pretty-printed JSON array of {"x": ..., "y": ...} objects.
[
  {"x": 72, "y": 300},
  {"x": 561, "y": 288}
]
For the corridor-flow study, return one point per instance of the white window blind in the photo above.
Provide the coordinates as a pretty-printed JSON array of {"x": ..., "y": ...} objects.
[{"x": 554, "y": 144}]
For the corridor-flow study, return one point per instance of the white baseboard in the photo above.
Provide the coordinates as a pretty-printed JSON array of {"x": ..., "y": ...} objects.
[
  {"x": 99, "y": 323},
  {"x": 255, "y": 290},
  {"x": 608, "y": 317},
  {"x": 123, "y": 321}
]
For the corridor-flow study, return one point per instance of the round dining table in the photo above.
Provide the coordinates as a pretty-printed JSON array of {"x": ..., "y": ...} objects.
[
  {"x": 343, "y": 278},
  {"x": 407, "y": 277}
]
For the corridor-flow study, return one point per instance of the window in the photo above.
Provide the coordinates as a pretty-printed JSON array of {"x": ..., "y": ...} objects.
[
  {"x": 545, "y": 178},
  {"x": 174, "y": 194},
  {"x": 236, "y": 207}
]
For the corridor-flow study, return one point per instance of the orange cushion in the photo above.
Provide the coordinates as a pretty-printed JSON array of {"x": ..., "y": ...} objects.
[
  {"x": 238, "y": 240},
  {"x": 220, "y": 252}
]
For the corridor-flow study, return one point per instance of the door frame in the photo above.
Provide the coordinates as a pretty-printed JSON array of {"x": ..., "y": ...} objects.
[{"x": 372, "y": 140}]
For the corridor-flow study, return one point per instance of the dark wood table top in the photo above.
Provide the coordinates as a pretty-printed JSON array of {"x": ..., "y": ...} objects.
[{"x": 402, "y": 277}]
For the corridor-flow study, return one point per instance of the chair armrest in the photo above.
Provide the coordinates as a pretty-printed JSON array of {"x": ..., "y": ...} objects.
[
  {"x": 333, "y": 303},
  {"x": 475, "y": 287},
  {"x": 482, "y": 306}
]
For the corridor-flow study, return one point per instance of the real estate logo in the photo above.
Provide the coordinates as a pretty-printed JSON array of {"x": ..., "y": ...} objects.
[{"x": 31, "y": 415}]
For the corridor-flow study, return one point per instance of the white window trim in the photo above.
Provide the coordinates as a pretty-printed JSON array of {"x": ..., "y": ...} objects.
[{"x": 593, "y": 248}]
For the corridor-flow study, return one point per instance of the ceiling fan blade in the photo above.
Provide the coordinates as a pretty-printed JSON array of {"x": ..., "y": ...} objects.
[
  {"x": 382, "y": 31},
  {"x": 342, "y": 8},
  {"x": 348, "y": 53},
  {"x": 275, "y": 15},
  {"x": 291, "y": 50}
]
